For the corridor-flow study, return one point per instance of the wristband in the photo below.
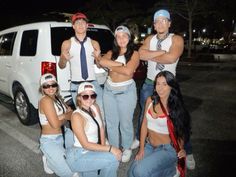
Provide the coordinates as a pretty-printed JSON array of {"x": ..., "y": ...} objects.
[{"x": 110, "y": 148}]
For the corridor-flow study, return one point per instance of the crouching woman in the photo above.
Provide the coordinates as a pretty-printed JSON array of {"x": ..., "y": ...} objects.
[
  {"x": 165, "y": 127},
  {"x": 90, "y": 153}
]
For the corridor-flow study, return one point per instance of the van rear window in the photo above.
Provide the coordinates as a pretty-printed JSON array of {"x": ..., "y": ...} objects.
[{"x": 59, "y": 34}]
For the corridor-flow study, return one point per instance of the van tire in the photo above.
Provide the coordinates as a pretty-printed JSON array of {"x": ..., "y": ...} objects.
[{"x": 25, "y": 111}]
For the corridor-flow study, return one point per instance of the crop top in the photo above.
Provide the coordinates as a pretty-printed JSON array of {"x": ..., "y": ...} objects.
[
  {"x": 158, "y": 124},
  {"x": 91, "y": 128},
  {"x": 59, "y": 110}
]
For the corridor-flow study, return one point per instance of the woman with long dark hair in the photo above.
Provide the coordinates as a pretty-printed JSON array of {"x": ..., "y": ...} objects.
[
  {"x": 165, "y": 128},
  {"x": 120, "y": 96}
]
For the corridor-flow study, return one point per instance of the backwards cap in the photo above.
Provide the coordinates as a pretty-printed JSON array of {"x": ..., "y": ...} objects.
[
  {"x": 161, "y": 13},
  {"x": 85, "y": 86},
  {"x": 123, "y": 29},
  {"x": 77, "y": 16},
  {"x": 47, "y": 78}
]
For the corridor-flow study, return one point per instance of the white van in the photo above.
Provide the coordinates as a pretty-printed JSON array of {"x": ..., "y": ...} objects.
[{"x": 28, "y": 51}]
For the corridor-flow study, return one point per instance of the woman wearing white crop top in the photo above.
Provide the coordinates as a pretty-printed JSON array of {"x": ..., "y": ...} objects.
[
  {"x": 90, "y": 155},
  {"x": 53, "y": 114},
  {"x": 165, "y": 126},
  {"x": 120, "y": 96}
]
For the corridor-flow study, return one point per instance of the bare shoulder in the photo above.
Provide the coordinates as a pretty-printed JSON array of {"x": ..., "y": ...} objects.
[
  {"x": 146, "y": 42},
  {"x": 66, "y": 43},
  {"x": 136, "y": 54},
  {"x": 94, "y": 42},
  {"x": 177, "y": 38}
]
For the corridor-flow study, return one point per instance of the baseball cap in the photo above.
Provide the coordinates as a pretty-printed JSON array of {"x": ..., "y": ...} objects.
[
  {"x": 77, "y": 16},
  {"x": 123, "y": 29},
  {"x": 47, "y": 78},
  {"x": 161, "y": 13},
  {"x": 84, "y": 86}
]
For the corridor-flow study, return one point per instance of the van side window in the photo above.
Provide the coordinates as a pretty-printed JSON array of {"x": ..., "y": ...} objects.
[
  {"x": 7, "y": 43},
  {"x": 29, "y": 43}
]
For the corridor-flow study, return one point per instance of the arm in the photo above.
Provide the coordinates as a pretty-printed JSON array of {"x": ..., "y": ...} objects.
[
  {"x": 144, "y": 133},
  {"x": 129, "y": 68},
  {"x": 147, "y": 54},
  {"x": 65, "y": 55},
  {"x": 182, "y": 152},
  {"x": 106, "y": 62},
  {"x": 47, "y": 108},
  {"x": 96, "y": 52},
  {"x": 174, "y": 53}
]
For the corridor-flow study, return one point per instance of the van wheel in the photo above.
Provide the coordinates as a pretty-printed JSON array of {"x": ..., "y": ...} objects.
[{"x": 25, "y": 111}]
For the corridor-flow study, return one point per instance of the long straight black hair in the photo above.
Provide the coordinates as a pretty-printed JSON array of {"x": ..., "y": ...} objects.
[
  {"x": 177, "y": 110},
  {"x": 129, "y": 52}
]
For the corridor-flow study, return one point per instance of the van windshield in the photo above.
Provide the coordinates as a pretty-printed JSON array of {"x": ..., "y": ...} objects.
[{"x": 59, "y": 34}]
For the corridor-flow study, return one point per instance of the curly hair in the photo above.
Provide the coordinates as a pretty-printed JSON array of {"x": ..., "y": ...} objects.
[
  {"x": 178, "y": 113},
  {"x": 116, "y": 50}
]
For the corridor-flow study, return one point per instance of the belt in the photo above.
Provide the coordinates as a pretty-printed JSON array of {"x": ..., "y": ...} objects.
[
  {"x": 149, "y": 81},
  {"x": 79, "y": 82}
]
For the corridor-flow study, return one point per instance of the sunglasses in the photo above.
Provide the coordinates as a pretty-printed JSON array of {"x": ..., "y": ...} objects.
[
  {"x": 86, "y": 97},
  {"x": 52, "y": 85}
]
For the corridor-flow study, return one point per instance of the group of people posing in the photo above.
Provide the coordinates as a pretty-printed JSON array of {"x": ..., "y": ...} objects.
[{"x": 102, "y": 134}]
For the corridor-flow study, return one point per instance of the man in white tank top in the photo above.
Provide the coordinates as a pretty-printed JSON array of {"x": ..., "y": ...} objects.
[
  {"x": 162, "y": 52},
  {"x": 71, "y": 52}
]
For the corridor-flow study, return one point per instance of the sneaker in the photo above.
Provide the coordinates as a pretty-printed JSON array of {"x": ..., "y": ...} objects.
[
  {"x": 177, "y": 173},
  {"x": 190, "y": 162},
  {"x": 76, "y": 175},
  {"x": 126, "y": 155},
  {"x": 107, "y": 142},
  {"x": 135, "y": 144},
  {"x": 45, "y": 166}
]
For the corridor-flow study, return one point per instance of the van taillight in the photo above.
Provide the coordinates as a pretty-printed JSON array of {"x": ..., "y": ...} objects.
[{"x": 48, "y": 67}]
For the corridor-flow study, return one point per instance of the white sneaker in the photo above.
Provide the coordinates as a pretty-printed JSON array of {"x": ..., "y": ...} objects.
[
  {"x": 135, "y": 144},
  {"x": 190, "y": 162},
  {"x": 126, "y": 155},
  {"x": 107, "y": 142},
  {"x": 76, "y": 175},
  {"x": 45, "y": 166},
  {"x": 177, "y": 173}
]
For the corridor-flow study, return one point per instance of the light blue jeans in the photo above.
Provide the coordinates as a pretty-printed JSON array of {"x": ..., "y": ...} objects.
[
  {"x": 99, "y": 92},
  {"x": 158, "y": 161},
  {"x": 146, "y": 91},
  {"x": 119, "y": 104},
  {"x": 87, "y": 163},
  {"x": 53, "y": 150}
]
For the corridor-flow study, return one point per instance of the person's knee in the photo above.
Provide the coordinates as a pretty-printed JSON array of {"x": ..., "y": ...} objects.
[{"x": 139, "y": 171}]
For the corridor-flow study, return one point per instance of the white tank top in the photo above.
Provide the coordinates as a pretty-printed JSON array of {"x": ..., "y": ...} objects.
[
  {"x": 59, "y": 110},
  {"x": 165, "y": 45},
  {"x": 158, "y": 124},
  {"x": 121, "y": 59},
  {"x": 91, "y": 128},
  {"x": 75, "y": 64}
]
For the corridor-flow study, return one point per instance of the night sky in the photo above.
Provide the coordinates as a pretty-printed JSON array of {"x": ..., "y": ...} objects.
[{"x": 13, "y": 13}]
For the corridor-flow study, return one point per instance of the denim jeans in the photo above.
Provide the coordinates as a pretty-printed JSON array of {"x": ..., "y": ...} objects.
[
  {"x": 119, "y": 104},
  {"x": 87, "y": 163},
  {"x": 146, "y": 91},
  {"x": 158, "y": 161},
  {"x": 99, "y": 92},
  {"x": 53, "y": 150}
]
